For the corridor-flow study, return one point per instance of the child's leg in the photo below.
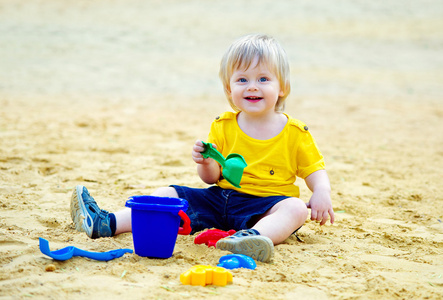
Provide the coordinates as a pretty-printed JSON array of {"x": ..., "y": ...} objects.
[
  {"x": 123, "y": 217},
  {"x": 282, "y": 219},
  {"x": 273, "y": 227},
  {"x": 88, "y": 217}
]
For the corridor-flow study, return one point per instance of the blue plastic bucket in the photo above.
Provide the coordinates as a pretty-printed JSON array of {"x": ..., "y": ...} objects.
[{"x": 156, "y": 223}]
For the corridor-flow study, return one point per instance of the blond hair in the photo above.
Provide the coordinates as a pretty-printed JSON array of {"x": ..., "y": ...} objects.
[{"x": 242, "y": 53}]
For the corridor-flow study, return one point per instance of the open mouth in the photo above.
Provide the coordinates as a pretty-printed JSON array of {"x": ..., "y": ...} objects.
[{"x": 253, "y": 99}]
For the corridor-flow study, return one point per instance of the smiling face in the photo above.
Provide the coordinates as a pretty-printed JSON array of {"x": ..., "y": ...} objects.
[
  {"x": 255, "y": 90},
  {"x": 243, "y": 56}
]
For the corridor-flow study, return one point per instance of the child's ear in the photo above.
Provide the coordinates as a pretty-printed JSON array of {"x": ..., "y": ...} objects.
[{"x": 281, "y": 94}]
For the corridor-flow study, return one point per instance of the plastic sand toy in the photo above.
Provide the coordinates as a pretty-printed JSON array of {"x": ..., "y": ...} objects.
[
  {"x": 233, "y": 165},
  {"x": 211, "y": 236},
  {"x": 234, "y": 261},
  {"x": 70, "y": 251},
  {"x": 156, "y": 223},
  {"x": 205, "y": 275}
]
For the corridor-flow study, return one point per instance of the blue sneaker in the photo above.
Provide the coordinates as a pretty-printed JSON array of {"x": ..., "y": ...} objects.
[
  {"x": 248, "y": 242},
  {"x": 87, "y": 216}
]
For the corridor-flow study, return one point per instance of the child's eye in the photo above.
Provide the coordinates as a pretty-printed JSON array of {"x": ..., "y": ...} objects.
[
  {"x": 242, "y": 80},
  {"x": 263, "y": 79}
]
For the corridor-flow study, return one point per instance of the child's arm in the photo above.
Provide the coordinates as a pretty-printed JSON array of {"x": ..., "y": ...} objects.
[
  {"x": 207, "y": 168},
  {"x": 320, "y": 202}
]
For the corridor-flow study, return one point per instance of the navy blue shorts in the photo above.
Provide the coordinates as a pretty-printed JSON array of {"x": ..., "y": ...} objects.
[{"x": 224, "y": 209}]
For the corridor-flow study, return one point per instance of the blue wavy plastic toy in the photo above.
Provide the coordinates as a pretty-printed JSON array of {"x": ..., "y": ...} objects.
[
  {"x": 233, "y": 261},
  {"x": 70, "y": 251}
]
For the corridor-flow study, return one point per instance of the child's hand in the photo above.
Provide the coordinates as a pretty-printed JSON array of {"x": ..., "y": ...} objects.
[
  {"x": 320, "y": 202},
  {"x": 321, "y": 207},
  {"x": 196, "y": 152},
  {"x": 207, "y": 168}
]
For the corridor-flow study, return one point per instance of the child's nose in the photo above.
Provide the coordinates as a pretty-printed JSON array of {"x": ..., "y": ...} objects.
[{"x": 252, "y": 86}]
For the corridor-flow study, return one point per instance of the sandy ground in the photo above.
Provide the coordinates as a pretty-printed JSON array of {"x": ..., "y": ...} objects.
[{"x": 112, "y": 95}]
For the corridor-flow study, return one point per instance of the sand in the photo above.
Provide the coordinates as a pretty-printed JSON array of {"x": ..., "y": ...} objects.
[{"x": 112, "y": 95}]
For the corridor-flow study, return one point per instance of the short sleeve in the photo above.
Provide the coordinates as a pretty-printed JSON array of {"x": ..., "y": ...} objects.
[
  {"x": 309, "y": 158},
  {"x": 214, "y": 133}
]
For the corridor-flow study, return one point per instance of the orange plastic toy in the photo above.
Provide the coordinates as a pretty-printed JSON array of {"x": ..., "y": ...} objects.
[
  {"x": 205, "y": 275},
  {"x": 211, "y": 236}
]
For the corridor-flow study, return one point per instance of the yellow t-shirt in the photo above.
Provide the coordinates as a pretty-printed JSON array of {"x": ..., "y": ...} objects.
[{"x": 273, "y": 164}]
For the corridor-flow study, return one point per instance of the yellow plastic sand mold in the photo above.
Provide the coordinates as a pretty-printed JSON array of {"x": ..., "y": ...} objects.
[{"x": 206, "y": 275}]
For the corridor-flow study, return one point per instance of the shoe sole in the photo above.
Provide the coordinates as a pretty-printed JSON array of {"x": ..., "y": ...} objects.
[
  {"x": 79, "y": 214},
  {"x": 258, "y": 247}
]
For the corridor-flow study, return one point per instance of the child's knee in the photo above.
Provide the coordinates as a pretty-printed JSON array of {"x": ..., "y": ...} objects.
[
  {"x": 298, "y": 207},
  {"x": 165, "y": 192}
]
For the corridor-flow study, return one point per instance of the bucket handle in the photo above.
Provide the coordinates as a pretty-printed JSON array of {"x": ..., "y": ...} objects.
[{"x": 186, "y": 229}]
